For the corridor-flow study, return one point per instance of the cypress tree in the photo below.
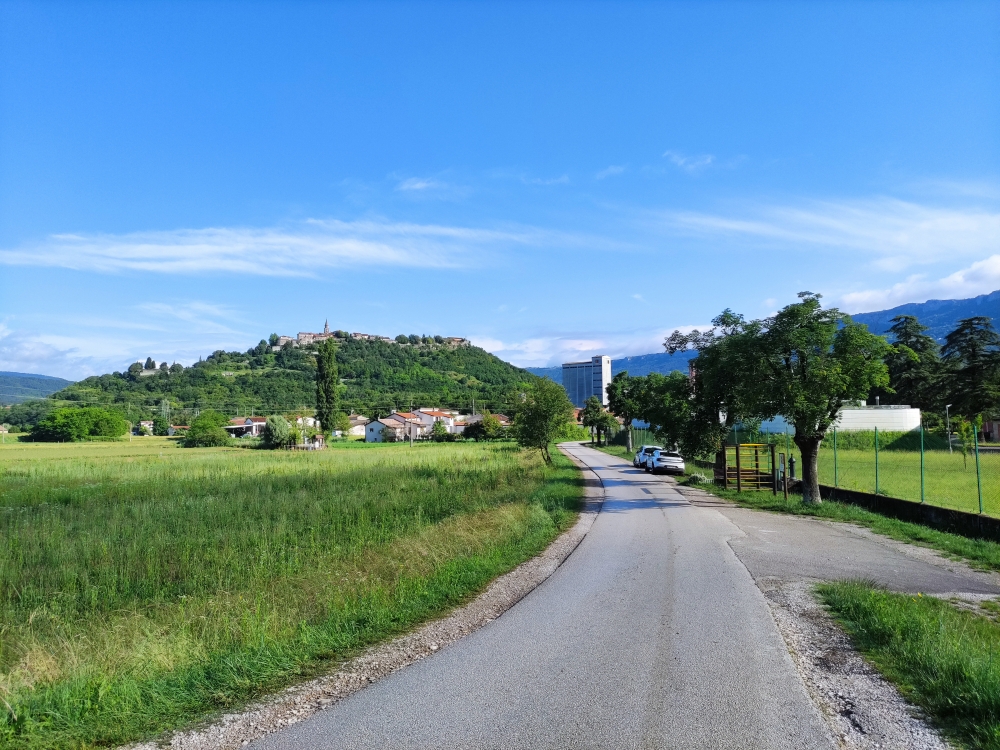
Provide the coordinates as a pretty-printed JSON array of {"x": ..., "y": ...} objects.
[{"x": 327, "y": 385}]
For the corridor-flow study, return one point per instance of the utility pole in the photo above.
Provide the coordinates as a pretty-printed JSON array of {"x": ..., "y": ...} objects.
[{"x": 947, "y": 421}]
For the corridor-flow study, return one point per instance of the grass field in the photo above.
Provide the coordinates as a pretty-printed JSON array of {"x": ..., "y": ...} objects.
[
  {"x": 144, "y": 585},
  {"x": 942, "y": 658}
]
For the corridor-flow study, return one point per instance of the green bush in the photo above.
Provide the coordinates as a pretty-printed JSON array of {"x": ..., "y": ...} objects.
[
  {"x": 206, "y": 431},
  {"x": 864, "y": 440},
  {"x": 72, "y": 425},
  {"x": 277, "y": 432}
]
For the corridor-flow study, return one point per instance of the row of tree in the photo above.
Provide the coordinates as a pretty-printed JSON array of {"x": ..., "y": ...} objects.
[{"x": 804, "y": 364}]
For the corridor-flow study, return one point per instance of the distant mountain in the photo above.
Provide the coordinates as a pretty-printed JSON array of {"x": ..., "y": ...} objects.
[
  {"x": 640, "y": 364},
  {"x": 939, "y": 315},
  {"x": 16, "y": 387}
]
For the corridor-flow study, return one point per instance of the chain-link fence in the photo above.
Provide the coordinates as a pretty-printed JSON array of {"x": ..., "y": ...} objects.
[{"x": 916, "y": 466}]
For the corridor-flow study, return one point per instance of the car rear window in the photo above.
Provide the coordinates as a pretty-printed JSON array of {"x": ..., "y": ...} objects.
[{"x": 673, "y": 454}]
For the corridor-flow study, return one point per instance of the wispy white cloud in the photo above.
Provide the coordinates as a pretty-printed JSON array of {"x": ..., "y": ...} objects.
[
  {"x": 305, "y": 249},
  {"x": 690, "y": 163},
  {"x": 981, "y": 277},
  {"x": 897, "y": 233},
  {"x": 420, "y": 183},
  {"x": 638, "y": 297},
  {"x": 609, "y": 172}
]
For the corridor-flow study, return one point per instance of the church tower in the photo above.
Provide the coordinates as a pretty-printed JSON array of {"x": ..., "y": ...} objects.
[{"x": 326, "y": 328}]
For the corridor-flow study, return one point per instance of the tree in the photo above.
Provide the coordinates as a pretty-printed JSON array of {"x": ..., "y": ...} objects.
[
  {"x": 401, "y": 339},
  {"x": 70, "y": 425},
  {"x": 541, "y": 415},
  {"x": 160, "y": 426},
  {"x": 277, "y": 432},
  {"x": 273, "y": 339},
  {"x": 327, "y": 385},
  {"x": 669, "y": 408},
  {"x": 971, "y": 353},
  {"x": 150, "y": 364},
  {"x": 625, "y": 398},
  {"x": 134, "y": 369},
  {"x": 439, "y": 431},
  {"x": 914, "y": 366},
  {"x": 590, "y": 414},
  {"x": 413, "y": 338},
  {"x": 164, "y": 367},
  {"x": 206, "y": 430},
  {"x": 804, "y": 364},
  {"x": 342, "y": 422},
  {"x": 176, "y": 368}
]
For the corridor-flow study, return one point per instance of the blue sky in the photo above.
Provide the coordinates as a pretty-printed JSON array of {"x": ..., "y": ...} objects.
[{"x": 551, "y": 180}]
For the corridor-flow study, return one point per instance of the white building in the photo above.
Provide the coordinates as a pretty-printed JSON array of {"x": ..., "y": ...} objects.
[
  {"x": 885, "y": 418},
  {"x": 585, "y": 379},
  {"x": 403, "y": 425},
  {"x": 861, "y": 418}
]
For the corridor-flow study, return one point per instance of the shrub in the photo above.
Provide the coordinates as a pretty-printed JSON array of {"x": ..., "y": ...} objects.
[
  {"x": 696, "y": 479},
  {"x": 72, "y": 425},
  {"x": 277, "y": 432},
  {"x": 206, "y": 431}
]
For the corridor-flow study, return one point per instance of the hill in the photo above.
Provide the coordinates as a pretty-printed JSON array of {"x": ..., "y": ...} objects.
[
  {"x": 16, "y": 387},
  {"x": 939, "y": 315},
  {"x": 378, "y": 376}
]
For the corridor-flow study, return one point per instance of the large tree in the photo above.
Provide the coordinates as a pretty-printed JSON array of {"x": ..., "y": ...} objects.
[
  {"x": 915, "y": 369},
  {"x": 804, "y": 364},
  {"x": 625, "y": 400},
  {"x": 972, "y": 354},
  {"x": 327, "y": 385},
  {"x": 541, "y": 415}
]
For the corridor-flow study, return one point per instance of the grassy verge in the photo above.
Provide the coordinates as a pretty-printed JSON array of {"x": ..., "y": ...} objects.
[
  {"x": 980, "y": 553},
  {"x": 942, "y": 658},
  {"x": 146, "y": 586}
]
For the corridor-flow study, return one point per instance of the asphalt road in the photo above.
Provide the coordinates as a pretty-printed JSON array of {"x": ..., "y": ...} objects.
[{"x": 652, "y": 634}]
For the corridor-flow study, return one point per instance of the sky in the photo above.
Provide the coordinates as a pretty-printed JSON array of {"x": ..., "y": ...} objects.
[{"x": 550, "y": 180}]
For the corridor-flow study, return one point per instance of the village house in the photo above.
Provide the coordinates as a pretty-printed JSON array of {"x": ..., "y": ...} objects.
[
  {"x": 245, "y": 426},
  {"x": 358, "y": 423}
]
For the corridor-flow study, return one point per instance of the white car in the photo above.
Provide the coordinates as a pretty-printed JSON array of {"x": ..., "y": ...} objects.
[
  {"x": 642, "y": 454},
  {"x": 670, "y": 462}
]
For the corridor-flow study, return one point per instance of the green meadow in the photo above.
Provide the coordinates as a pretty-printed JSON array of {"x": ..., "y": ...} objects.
[{"x": 144, "y": 586}]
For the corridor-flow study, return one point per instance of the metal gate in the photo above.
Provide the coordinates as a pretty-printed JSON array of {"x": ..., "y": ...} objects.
[{"x": 748, "y": 466}]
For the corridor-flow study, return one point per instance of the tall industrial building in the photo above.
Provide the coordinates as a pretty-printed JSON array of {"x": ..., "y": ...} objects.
[{"x": 585, "y": 379}]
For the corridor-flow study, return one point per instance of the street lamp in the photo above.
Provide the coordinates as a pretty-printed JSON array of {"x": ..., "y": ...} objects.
[{"x": 947, "y": 421}]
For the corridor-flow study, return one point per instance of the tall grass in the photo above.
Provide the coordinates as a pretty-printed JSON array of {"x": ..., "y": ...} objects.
[
  {"x": 942, "y": 658},
  {"x": 140, "y": 589}
]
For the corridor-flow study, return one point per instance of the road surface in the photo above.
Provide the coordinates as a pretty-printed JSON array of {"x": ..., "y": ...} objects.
[{"x": 652, "y": 634}]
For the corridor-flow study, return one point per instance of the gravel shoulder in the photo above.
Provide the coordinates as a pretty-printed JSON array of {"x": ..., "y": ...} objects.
[{"x": 301, "y": 701}]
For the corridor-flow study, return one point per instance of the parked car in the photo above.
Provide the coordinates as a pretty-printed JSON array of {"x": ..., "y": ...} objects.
[
  {"x": 642, "y": 454},
  {"x": 670, "y": 462}
]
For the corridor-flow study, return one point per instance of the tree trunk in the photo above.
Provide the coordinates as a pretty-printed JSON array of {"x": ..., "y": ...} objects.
[
  {"x": 628, "y": 435},
  {"x": 809, "y": 447}
]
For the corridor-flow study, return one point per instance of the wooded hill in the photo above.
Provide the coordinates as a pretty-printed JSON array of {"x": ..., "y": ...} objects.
[{"x": 377, "y": 377}]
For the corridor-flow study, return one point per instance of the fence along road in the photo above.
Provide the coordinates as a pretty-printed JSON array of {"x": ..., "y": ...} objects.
[{"x": 651, "y": 634}]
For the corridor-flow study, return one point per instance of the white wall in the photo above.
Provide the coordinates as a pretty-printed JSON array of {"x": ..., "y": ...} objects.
[{"x": 884, "y": 417}]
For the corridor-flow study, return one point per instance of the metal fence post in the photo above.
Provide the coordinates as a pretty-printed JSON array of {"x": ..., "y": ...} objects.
[
  {"x": 774, "y": 472},
  {"x": 921, "y": 462},
  {"x": 836, "y": 476},
  {"x": 979, "y": 480},
  {"x": 739, "y": 470},
  {"x": 876, "y": 460}
]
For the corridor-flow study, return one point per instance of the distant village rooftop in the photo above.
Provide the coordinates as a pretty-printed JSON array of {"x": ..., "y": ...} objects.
[{"x": 304, "y": 338}]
